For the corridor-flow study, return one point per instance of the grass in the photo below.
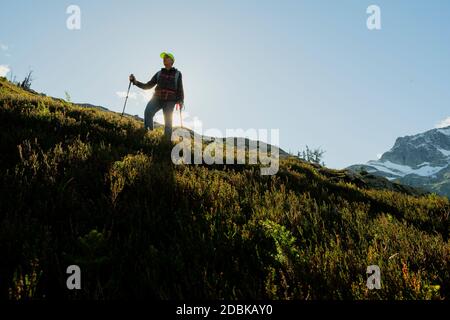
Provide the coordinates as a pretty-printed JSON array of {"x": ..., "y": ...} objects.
[{"x": 83, "y": 186}]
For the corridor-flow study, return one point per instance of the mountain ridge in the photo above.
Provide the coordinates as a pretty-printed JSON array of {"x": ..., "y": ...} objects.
[{"x": 421, "y": 160}]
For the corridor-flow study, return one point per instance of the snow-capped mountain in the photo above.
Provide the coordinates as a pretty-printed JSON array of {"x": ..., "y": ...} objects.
[{"x": 421, "y": 160}]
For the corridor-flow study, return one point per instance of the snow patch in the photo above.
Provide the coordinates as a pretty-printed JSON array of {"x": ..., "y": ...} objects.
[
  {"x": 445, "y": 131},
  {"x": 417, "y": 136},
  {"x": 445, "y": 152},
  {"x": 424, "y": 169},
  {"x": 423, "y": 164}
]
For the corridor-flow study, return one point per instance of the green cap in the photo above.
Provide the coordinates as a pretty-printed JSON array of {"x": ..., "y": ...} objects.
[{"x": 167, "y": 54}]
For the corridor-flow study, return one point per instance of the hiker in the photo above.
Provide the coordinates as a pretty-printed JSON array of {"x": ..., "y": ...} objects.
[{"x": 168, "y": 93}]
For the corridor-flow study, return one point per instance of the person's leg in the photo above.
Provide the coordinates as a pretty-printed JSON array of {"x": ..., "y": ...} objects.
[
  {"x": 152, "y": 107},
  {"x": 168, "y": 112}
]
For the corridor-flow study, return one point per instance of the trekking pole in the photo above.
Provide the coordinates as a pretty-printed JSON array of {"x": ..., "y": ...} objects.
[
  {"x": 126, "y": 99},
  {"x": 181, "y": 117}
]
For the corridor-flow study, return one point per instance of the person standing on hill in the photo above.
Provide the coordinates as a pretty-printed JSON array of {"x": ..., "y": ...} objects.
[{"x": 168, "y": 93}]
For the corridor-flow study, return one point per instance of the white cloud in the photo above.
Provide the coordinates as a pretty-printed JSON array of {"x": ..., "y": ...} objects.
[
  {"x": 4, "y": 69},
  {"x": 190, "y": 122},
  {"x": 146, "y": 95},
  {"x": 4, "y": 48},
  {"x": 123, "y": 94},
  {"x": 444, "y": 123}
]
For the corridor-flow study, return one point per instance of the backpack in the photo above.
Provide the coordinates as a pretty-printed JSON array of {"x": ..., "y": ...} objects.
[{"x": 177, "y": 75}]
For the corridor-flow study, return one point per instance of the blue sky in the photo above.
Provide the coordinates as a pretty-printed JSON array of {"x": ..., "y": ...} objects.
[{"x": 312, "y": 69}]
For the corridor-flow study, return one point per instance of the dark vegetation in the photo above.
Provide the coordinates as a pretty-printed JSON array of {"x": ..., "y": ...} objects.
[{"x": 83, "y": 186}]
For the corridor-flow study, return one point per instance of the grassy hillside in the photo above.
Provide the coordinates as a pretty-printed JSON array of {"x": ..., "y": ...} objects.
[{"x": 82, "y": 186}]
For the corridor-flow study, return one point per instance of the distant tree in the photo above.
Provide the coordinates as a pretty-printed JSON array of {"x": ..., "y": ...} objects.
[
  {"x": 68, "y": 98},
  {"x": 12, "y": 77},
  {"x": 26, "y": 83},
  {"x": 312, "y": 155}
]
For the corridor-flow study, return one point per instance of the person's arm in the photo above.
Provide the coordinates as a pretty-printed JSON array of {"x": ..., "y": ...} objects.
[
  {"x": 180, "y": 91},
  {"x": 147, "y": 85}
]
